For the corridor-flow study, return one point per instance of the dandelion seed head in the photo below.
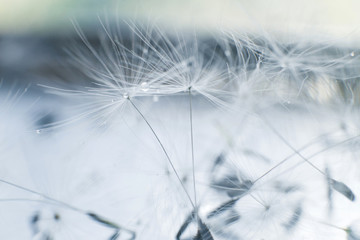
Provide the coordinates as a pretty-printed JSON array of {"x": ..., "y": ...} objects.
[{"x": 265, "y": 214}]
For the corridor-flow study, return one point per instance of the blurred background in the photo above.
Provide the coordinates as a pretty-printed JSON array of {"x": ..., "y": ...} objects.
[
  {"x": 34, "y": 33},
  {"x": 336, "y": 17}
]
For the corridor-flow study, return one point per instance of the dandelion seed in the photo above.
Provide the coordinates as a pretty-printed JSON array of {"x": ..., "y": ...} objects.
[
  {"x": 185, "y": 67},
  {"x": 112, "y": 225},
  {"x": 340, "y": 187},
  {"x": 227, "y": 206},
  {"x": 203, "y": 232},
  {"x": 56, "y": 216},
  {"x": 233, "y": 186},
  {"x": 343, "y": 189},
  {"x": 295, "y": 218},
  {"x": 329, "y": 189},
  {"x": 45, "y": 120},
  {"x": 232, "y": 218},
  {"x": 352, "y": 235},
  {"x": 352, "y": 232},
  {"x": 218, "y": 161},
  {"x": 102, "y": 220},
  {"x": 115, "y": 236},
  {"x": 34, "y": 222},
  {"x": 184, "y": 226}
]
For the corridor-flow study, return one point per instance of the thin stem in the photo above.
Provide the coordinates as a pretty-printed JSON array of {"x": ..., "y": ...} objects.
[
  {"x": 41, "y": 195},
  {"x": 258, "y": 201},
  {"x": 94, "y": 216},
  {"x": 333, "y": 226},
  {"x": 292, "y": 148},
  {"x": 323, "y": 150},
  {"x": 164, "y": 150},
  {"x": 192, "y": 145},
  {"x": 309, "y": 157},
  {"x": 282, "y": 161}
]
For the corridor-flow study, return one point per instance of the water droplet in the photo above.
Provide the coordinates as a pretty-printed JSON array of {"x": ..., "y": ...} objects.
[
  {"x": 283, "y": 64},
  {"x": 126, "y": 95},
  {"x": 352, "y": 54},
  {"x": 227, "y": 53},
  {"x": 144, "y": 86},
  {"x": 38, "y": 131}
]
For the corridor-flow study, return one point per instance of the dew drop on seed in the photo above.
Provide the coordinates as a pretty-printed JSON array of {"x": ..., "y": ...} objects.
[
  {"x": 144, "y": 86},
  {"x": 352, "y": 54},
  {"x": 126, "y": 95}
]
